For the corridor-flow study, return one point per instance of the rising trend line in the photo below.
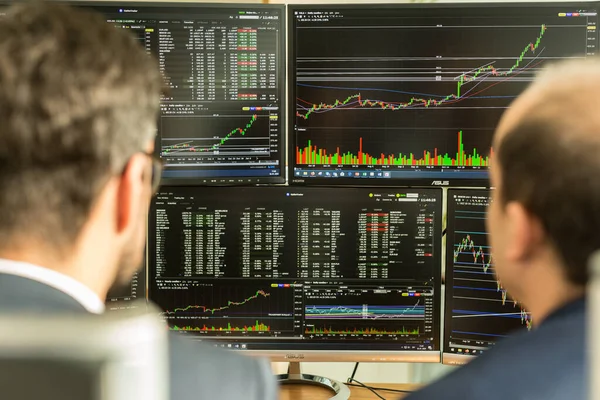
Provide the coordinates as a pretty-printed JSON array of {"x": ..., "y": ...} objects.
[
  {"x": 213, "y": 310},
  {"x": 186, "y": 146},
  {"x": 462, "y": 80}
]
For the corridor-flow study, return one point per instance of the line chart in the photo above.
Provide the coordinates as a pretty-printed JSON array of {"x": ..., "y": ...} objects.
[
  {"x": 198, "y": 145},
  {"x": 478, "y": 306},
  {"x": 463, "y": 79},
  {"x": 365, "y": 312},
  {"x": 392, "y": 93},
  {"x": 225, "y": 307},
  {"x": 468, "y": 244},
  {"x": 204, "y": 309}
]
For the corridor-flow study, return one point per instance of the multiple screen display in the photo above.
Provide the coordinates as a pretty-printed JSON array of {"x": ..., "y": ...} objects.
[
  {"x": 377, "y": 96},
  {"x": 394, "y": 94}
]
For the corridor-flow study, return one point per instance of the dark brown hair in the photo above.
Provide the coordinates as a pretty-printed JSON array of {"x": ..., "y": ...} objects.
[{"x": 78, "y": 97}]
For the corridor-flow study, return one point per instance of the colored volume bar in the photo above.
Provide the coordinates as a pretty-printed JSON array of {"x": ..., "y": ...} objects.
[
  {"x": 258, "y": 327},
  {"x": 366, "y": 331},
  {"x": 312, "y": 155}
]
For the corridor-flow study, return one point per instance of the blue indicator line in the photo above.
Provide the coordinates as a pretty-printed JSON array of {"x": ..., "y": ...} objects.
[
  {"x": 473, "y": 288},
  {"x": 472, "y": 272},
  {"x": 502, "y": 315}
]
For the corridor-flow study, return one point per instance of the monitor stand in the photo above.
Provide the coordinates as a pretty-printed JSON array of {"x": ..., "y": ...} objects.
[{"x": 295, "y": 376}]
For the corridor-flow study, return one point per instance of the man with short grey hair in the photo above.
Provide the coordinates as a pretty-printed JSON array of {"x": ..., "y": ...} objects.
[
  {"x": 78, "y": 106},
  {"x": 543, "y": 225}
]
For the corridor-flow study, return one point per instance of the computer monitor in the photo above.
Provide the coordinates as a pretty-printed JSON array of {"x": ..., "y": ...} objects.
[
  {"x": 412, "y": 93},
  {"x": 293, "y": 273},
  {"x": 126, "y": 296},
  {"x": 222, "y": 116},
  {"x": 477, "y": 310}
]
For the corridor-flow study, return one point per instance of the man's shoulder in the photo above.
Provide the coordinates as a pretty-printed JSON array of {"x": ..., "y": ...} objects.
[
  {"x": 200, "y": 369},
  {"x": 546, "y": 363}
]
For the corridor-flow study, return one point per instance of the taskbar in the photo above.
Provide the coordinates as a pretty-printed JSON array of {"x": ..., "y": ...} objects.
[{"x": 424, "y": 177}]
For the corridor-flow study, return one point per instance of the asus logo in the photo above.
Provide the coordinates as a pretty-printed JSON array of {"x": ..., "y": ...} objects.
[
  {"x": 440, "y": 183},
  {"x": 294, "y": 356}
]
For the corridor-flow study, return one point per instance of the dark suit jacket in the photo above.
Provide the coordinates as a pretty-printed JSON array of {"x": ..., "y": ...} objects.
[
  {"x": 198, "y": 370},
  {"x": 547, "y": 363}
]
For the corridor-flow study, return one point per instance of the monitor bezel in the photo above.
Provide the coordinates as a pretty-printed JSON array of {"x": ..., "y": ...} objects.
[
  {"x": 326, "y": 355},
  {"x": 449, "y": 358},
  {"x": 281, "y": 81},
  {"x": 405, "y": 182}
]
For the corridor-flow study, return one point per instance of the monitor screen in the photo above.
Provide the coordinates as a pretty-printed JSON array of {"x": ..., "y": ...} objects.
[
  {"x": 301, "y": 273},
  {"x": 412, "y": 93},
  {"x": 478, "y": 311},
  {"x": 124, "y": 296},
  {"x": 221, "y": 117}
]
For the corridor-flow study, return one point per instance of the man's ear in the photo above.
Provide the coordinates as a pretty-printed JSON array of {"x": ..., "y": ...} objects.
[
  {"x": 130, "y": 191},
  {"x": 525, "y": 232}
]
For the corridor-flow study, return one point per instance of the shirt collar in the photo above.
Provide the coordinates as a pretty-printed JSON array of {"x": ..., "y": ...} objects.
[
  {"x": 75, "y": 289},
  {"x": 571, "y": 307}
]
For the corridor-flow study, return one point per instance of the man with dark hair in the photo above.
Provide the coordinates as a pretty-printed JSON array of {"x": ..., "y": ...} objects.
[
  {"x": 78, "y": 107},
  {"x": 543, "y": 224}
]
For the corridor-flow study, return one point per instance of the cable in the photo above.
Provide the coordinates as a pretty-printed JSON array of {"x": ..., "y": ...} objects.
[
  {"x": 374, "y": 388},
  {"x": 366, "y": 387},
  {"x": 371, "y": 388},
  {"x": 349, "y": 380}
]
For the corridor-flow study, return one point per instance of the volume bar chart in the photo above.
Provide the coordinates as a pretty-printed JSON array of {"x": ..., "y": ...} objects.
[
  {"x": 316, "y": 156},
  {"x": 425, "y": 112},
  {"x": 360, "y": 331},
  {"x": 257, "y": 327}
]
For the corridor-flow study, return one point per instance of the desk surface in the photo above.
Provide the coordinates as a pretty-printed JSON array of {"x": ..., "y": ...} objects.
[{"x": 307, "y": 392}]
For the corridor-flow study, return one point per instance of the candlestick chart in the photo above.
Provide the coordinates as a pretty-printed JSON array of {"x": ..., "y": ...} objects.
[
  {"x": 478, "y": 306},
  {"x": 426, "y": 100},
  {"x": 219, "y": 308}
]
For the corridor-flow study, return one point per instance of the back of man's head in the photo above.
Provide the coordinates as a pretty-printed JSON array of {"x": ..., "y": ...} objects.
[
  {"x": 78, "y": 97},
  {"x": 548, "y": 156}
]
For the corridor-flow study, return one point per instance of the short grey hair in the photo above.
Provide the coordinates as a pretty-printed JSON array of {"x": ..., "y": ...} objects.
[
  {"x": 550, "y": 160},
  {"x": 78, "y": 97}
]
